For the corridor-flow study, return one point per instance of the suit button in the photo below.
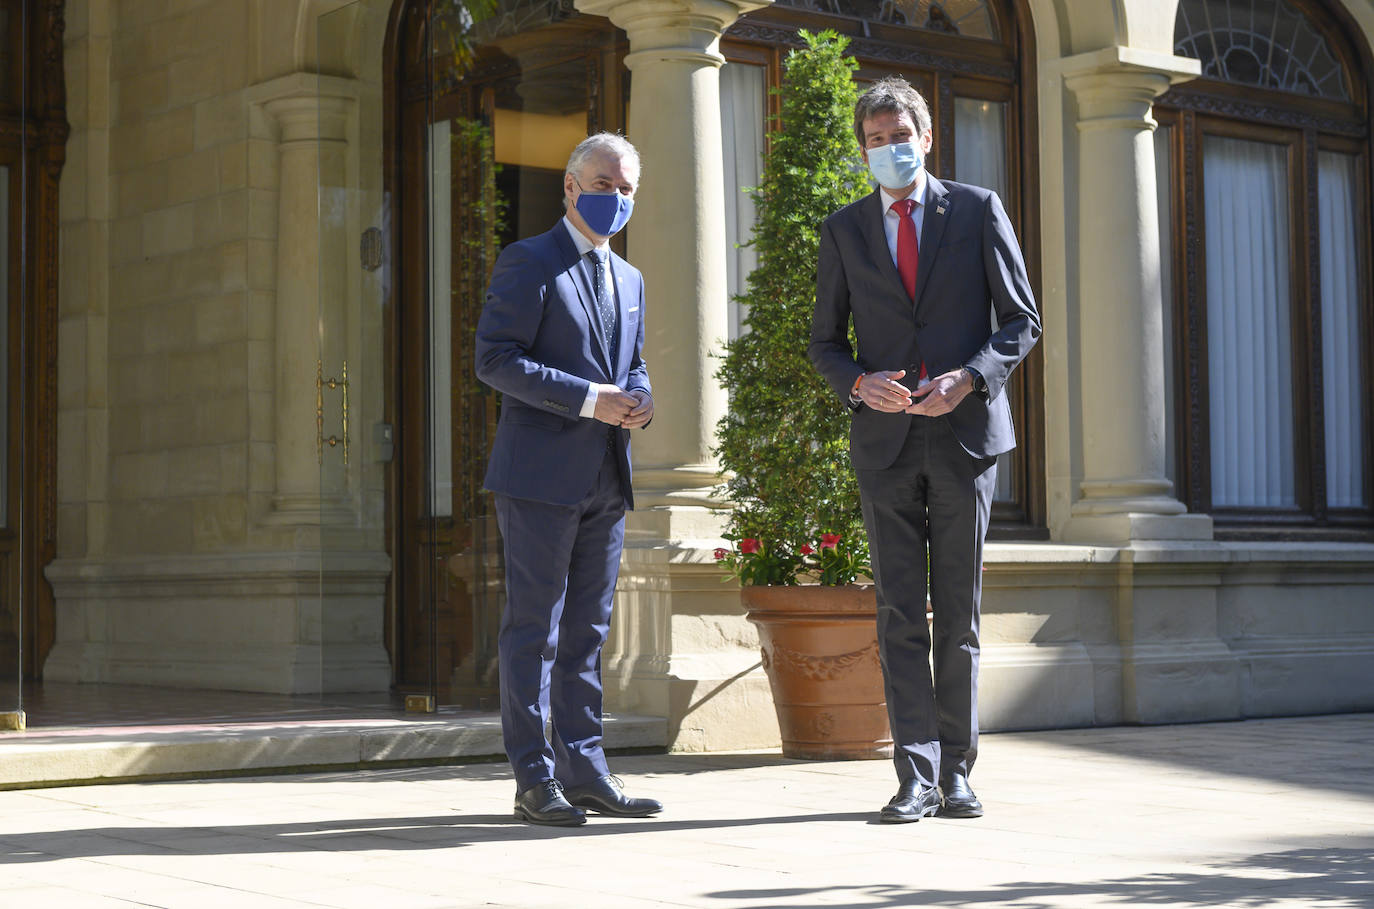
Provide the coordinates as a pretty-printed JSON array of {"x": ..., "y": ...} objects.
[{"x": 920, "y": 326}]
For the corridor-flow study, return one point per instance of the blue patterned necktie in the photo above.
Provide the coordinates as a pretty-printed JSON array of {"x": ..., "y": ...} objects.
[{"x": 605, "y": 305}]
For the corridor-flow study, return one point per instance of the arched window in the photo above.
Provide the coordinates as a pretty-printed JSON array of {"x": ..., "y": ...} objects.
[
  {"x": 1265, "y": 166},
  {"x": 971, "y": 61}
]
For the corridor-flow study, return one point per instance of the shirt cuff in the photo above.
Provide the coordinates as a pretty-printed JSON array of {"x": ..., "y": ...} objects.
[{"x": 589, "y": 405}]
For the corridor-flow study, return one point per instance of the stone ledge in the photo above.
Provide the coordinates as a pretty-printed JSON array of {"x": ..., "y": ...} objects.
[{"x": 37, "y": 759}]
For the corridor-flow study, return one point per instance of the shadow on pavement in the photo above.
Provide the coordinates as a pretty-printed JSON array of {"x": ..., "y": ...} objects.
[
  {"x": 1308, "y": 877},
  {"x": 399, "y": 834}
]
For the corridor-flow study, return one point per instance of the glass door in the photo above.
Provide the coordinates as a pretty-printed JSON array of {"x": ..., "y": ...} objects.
[
  {"x": 15, "y": 337},
  {"x": 346, "y": 375},
  {"x": 447, "y": 143},
  {"x": 489, "y": 112}
]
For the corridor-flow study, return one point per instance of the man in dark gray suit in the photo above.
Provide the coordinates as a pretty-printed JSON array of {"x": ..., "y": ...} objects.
[
  {"x": 560, "y": 337},
  {"x": 923, "y": 267}
]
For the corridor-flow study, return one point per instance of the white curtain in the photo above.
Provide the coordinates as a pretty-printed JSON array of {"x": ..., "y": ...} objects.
[
  {"x": 980, "y": 158},
  {"x": 1249, "y": 329},
  {"x": 440, "y": 319},
  {"x": 742, "y": 97},
  {"x": 1342, "y": 375}
]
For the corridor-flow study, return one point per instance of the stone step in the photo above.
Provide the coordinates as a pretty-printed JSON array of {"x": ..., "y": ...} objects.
[{"x": 60, "y": 757}]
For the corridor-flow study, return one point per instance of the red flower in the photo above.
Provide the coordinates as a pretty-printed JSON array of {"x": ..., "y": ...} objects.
[
  {"x": 806, "y": 549},
  {"x": 830, "y": 540},
  {"x": 748, "y": 545},
  {"x": 721, "y": 553}
]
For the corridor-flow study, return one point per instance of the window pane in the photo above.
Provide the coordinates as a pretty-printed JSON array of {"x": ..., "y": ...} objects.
[
  {"x": 742, "y": 98},
  {"x": 441, "y": 318},
  {"x": 1249, "y": 343},
  {"x": 1342, "y": 387},
  {"x": 980, "y": 144},
  {"x": 4, "y": 345},
  {"x": 980, "y": 158}
]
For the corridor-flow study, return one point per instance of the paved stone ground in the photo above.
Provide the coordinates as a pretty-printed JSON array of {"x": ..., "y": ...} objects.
[{"x": 1251, "y": 814}]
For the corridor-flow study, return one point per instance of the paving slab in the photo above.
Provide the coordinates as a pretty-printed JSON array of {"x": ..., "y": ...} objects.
[{"x": 1249, "y": 814}]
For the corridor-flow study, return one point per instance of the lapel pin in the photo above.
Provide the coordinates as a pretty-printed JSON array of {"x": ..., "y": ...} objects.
[{"x": 939, "y": 209}]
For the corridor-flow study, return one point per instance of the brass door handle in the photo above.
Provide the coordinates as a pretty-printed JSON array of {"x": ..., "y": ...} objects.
[{"x": 321, "y": 383}]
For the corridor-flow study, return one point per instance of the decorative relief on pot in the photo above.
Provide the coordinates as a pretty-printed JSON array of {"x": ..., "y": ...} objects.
[
  {"x": 824, "y": 725},
  {"x": 819, "y": 668}
]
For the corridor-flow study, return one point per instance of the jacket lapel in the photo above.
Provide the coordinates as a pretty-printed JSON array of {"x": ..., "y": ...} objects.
[
  {"x": 932, "y": 229},
  {"x": 572, "y": 263},
  {"x": 871, "y": 216},
  {"x": 626, "y": 295}
]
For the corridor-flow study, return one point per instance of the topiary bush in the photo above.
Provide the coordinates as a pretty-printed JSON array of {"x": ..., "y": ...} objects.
[{"x": 784, "y": 441}]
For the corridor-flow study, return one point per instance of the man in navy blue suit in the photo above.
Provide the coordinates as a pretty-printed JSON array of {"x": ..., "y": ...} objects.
[{"x": 561, "y": 337}]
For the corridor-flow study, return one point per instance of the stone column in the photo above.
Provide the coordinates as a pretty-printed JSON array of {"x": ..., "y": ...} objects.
[
  {"x": 1125, "y": 494},
  {"x": 311, "y": 114},
  {"x": 680, "y": 646},
  {"x": 677, "y": 237}
]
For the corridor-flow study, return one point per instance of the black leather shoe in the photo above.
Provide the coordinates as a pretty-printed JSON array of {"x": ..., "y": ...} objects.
[
  {"x": 543, "y": 803},
  {"x": 606, "y": 796},
  {"x": 959, "y": 798},
  {"x": 910, "y": 804}
]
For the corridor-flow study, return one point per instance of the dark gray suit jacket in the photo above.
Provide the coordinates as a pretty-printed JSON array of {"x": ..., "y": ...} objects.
[
  {"x": 538, "y": 343},
  {"x": 974, "y": 307}
]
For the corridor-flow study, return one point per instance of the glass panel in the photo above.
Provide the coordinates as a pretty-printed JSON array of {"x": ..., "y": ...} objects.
[
  {"x": 5, "y": 177},
  {"x": 1163, "y": 185},
  {"x": 1267, "y": 43},
  {"x": 354, "y": 284},
  {"x": 743, "y": 95},
  {"x": 980, "y": 158},
  {"x": 970, "y": 18},
  {"x": 441, "y": 319},
  {"x": 510, "y": 99},
  {"x": 1249, "y": 333},
  {"x": 1342, "y": 370}
]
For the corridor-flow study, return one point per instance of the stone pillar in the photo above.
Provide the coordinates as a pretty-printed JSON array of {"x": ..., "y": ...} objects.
[
  {"x": 681, "y": 647},
  {"x": 677, "y": 237},
  {"x": 1125, "y": 494},
  {"x": 311, "y": 114}
]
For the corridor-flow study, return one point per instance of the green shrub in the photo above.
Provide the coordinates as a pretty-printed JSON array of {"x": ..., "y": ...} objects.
[{"x": 784, "y": 441}]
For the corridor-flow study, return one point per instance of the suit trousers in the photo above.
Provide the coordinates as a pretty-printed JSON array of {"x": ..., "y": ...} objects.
[
  {"x": 562, "y": 562},
  {"x": 935, "y": 498}
]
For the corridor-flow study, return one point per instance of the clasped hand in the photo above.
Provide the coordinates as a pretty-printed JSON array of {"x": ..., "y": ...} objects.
[
  {"x": 628, "y": 409},
  {"x": 882, "y": 392}
]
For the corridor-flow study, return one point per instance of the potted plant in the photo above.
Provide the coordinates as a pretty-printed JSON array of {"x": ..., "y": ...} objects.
[{"x": 796, "y": 529}]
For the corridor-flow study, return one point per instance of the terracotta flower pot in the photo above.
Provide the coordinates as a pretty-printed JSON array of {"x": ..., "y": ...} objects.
[{"x": 820, "y": 650}]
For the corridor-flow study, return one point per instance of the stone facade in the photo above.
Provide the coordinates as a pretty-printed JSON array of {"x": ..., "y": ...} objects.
[{"x": 201, "y": 542}]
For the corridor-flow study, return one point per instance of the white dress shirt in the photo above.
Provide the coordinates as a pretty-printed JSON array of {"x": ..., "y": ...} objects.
[
  {"x": 892, "y": 221},
  {"x": 891, "y": 218},
  {"x": 585, "y": 246}
]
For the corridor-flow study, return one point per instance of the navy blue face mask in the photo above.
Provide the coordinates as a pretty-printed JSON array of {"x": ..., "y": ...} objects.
[{"x": 605, "y": 213}]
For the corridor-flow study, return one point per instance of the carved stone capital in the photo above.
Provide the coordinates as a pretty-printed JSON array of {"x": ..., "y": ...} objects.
[
  {"x": 678, "y": 30},
  {"x": 1116, "y": 86}
]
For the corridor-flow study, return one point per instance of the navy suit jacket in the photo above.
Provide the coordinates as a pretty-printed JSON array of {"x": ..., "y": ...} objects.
[
  {"x": 974, "y": 307},
  {"x": 539, "y": 345}
]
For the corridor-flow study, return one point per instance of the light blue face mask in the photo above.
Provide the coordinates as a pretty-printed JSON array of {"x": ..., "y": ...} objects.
[{"x": 895, "y": 166}]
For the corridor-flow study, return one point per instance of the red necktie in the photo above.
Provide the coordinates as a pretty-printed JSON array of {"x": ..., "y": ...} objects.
[{"x": 907, "y": 253}]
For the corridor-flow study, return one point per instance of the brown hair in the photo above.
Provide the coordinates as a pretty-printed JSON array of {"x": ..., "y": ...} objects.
[{"x": 890, "y": 95}]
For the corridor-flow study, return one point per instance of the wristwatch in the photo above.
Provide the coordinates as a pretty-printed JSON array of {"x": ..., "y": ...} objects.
[{"x": 980, "y": 385}]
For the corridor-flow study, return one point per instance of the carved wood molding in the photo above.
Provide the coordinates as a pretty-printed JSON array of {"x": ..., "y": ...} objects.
[
  {"x": 1241, "y": 109},
  {"x": 920, "y": 58}
]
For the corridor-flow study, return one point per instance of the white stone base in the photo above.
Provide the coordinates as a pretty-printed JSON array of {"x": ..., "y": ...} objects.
[
  {"x": 287, "y": 623},
  {"x": 1171, "y": 632}
]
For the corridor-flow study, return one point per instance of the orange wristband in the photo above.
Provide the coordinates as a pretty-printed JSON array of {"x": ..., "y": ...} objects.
[{"x": 854, "y": 392}]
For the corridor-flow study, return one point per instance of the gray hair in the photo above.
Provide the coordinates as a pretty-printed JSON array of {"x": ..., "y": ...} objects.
[
  {"x": 609, "y": 143},
  {"x": 890, "y": 95}
]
